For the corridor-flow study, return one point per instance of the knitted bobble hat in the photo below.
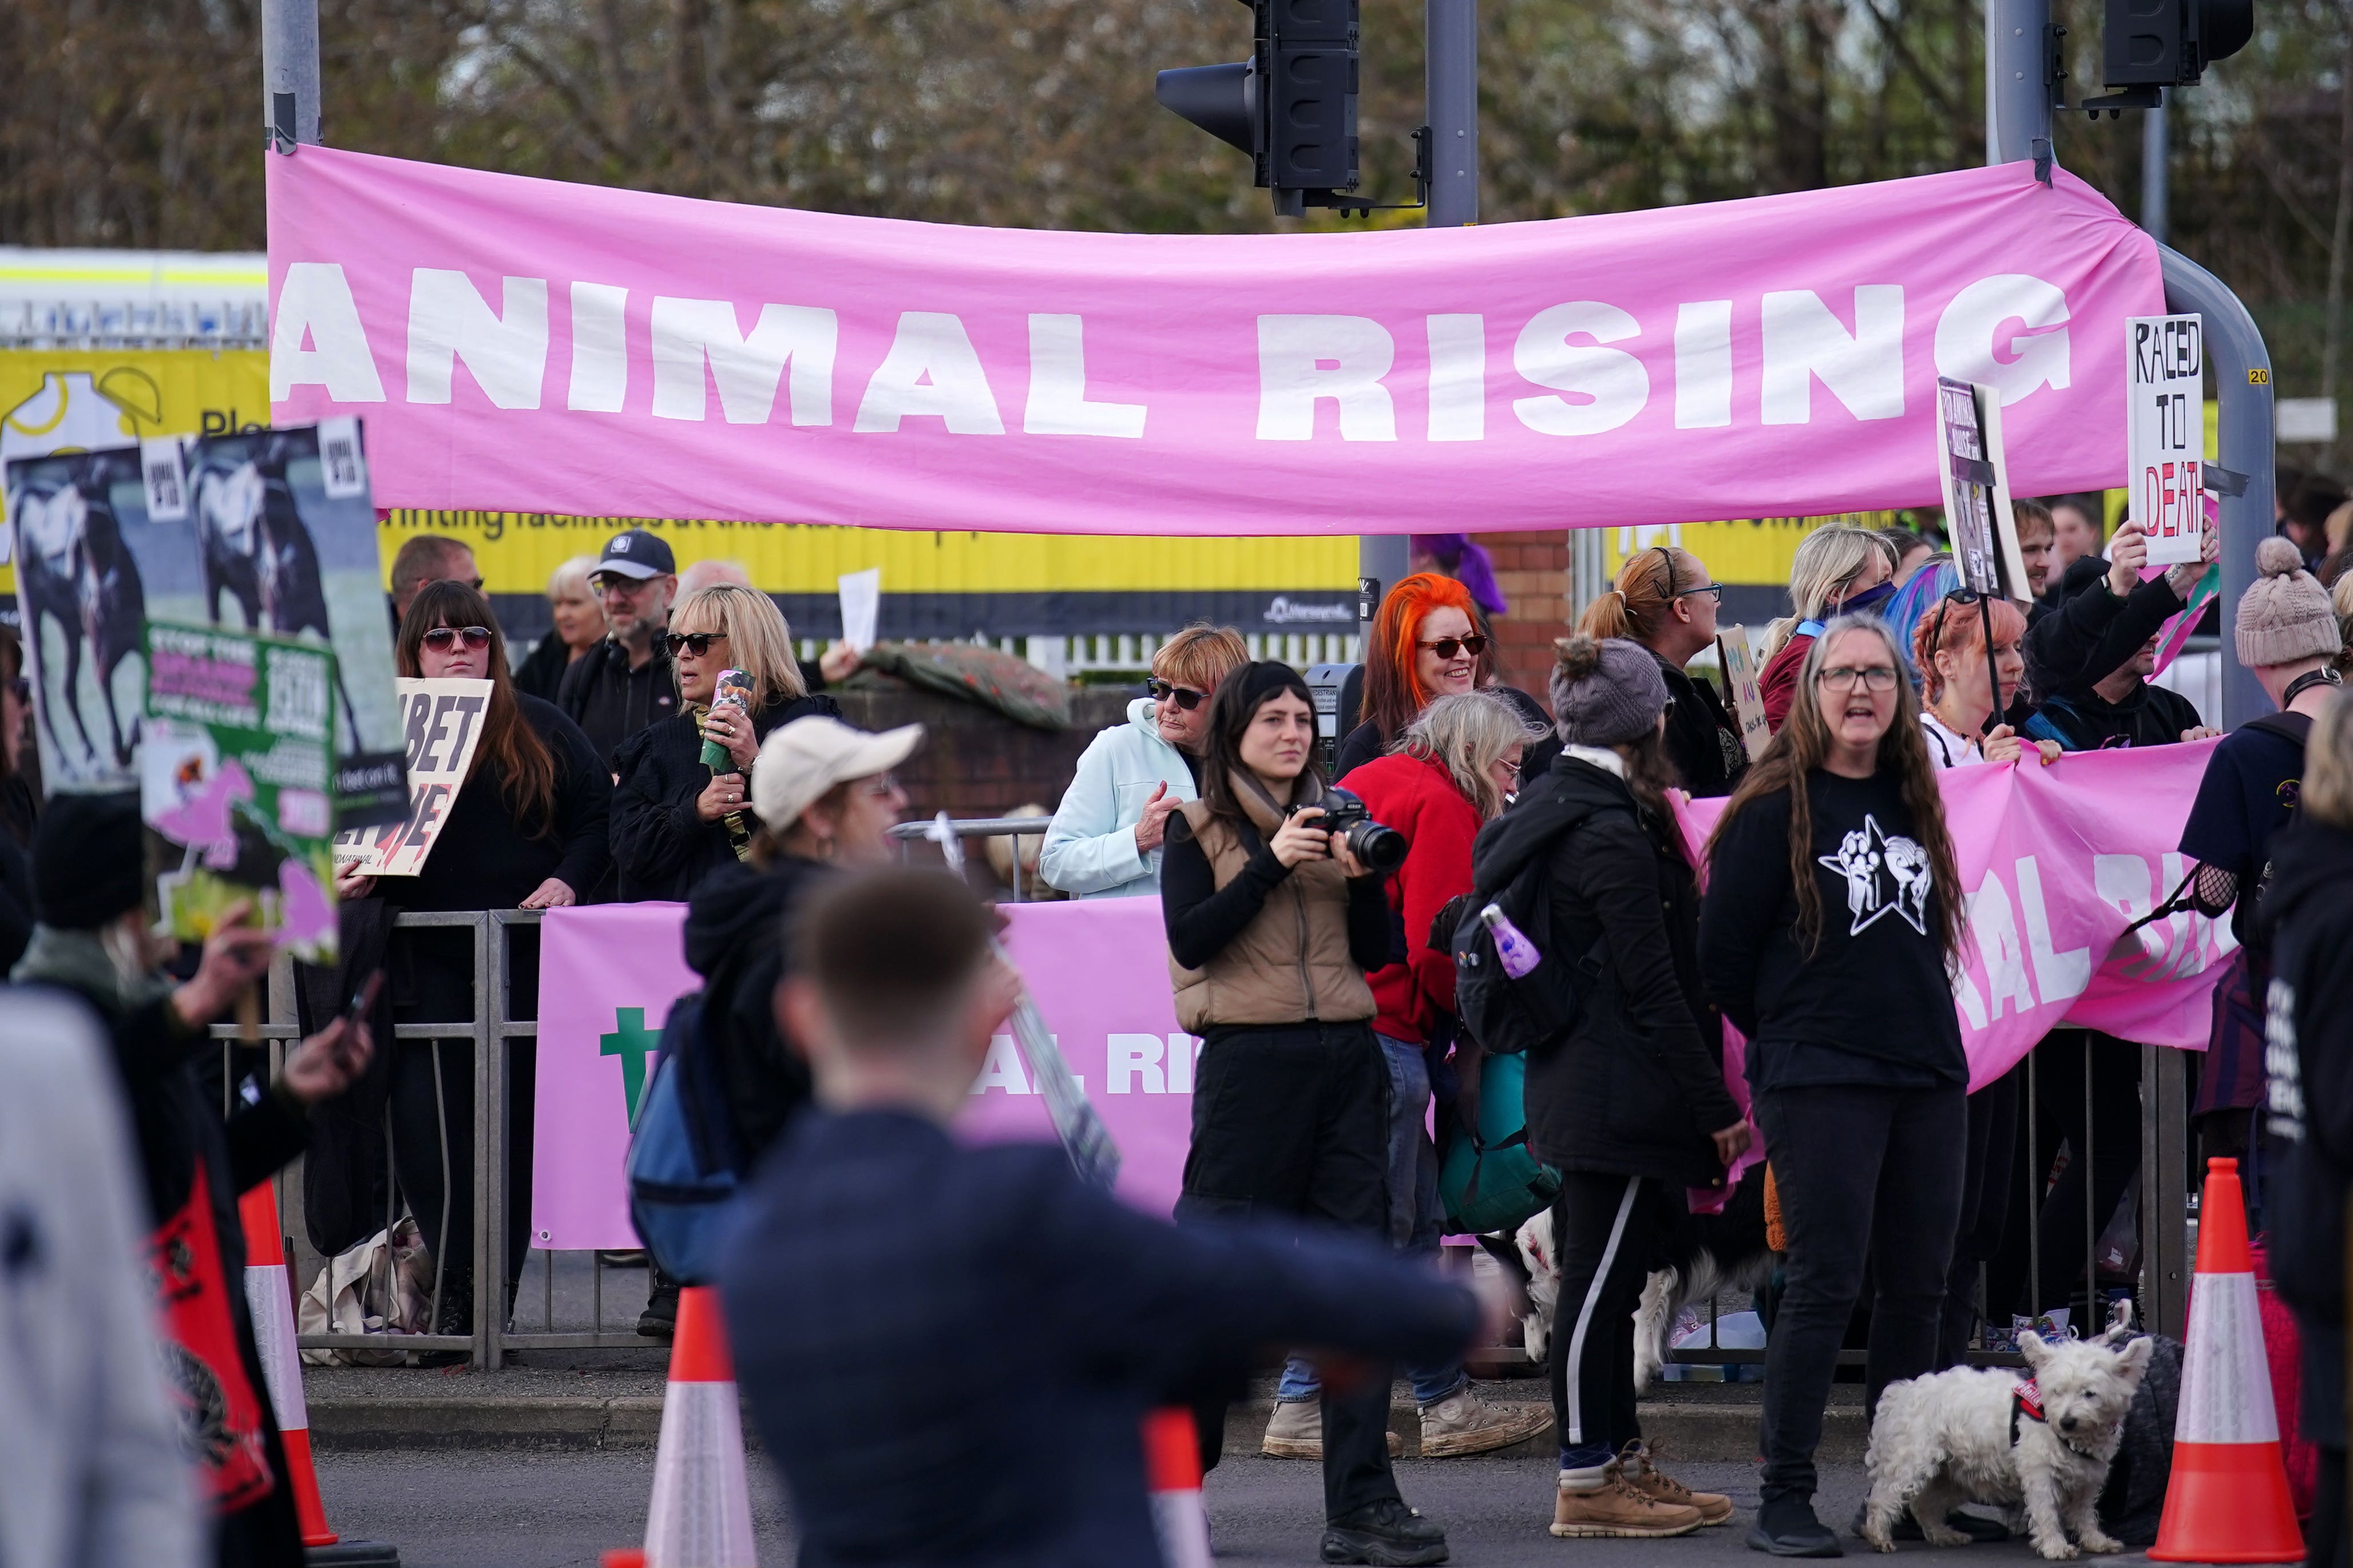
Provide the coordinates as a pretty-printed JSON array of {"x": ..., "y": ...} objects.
[
  {"x": 2285, "y": 615},
  {"x": 1606, "y": 691}
]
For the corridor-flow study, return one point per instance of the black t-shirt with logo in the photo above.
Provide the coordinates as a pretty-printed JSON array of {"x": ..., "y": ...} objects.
[{"x": 1870, "y": 1002}]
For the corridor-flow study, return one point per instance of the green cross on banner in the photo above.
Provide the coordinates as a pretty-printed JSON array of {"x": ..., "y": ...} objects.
[{"x": 633, "y": 1045}]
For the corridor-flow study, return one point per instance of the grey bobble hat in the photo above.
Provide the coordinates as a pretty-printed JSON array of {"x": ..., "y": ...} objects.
[
  {"x": 2285, "y": 615},
  {"x": 1606, "y": 691}
]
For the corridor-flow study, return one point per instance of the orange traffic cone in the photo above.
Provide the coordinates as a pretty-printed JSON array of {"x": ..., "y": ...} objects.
[
  {"x": 1172, "y": 1473},
  {"x": 701, "y": 1513},
  {"x": 269, "y": 1301},
  {"x": 2228, "y": 1500}
]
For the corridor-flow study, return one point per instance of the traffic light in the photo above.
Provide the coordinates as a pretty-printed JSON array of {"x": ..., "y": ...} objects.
[
  {"x": 1291, "y": 105},
  {"x": 2150, "y": 45}
]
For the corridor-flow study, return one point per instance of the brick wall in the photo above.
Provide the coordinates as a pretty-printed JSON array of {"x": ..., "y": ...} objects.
[
  {"x": 1533, "y": 571},
  {"x": 974, "y": 762}
]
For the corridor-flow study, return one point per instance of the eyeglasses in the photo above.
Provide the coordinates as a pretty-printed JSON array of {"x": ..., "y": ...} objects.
[
  {"x": 1446, "y": 648},
  {"x": 607, "y": 582},
  {"x": 1712, "y": 590},
  {"x": 696, "y": 643},
  {"x": 1874, "y": 678},
  {"x": 1185, "y": 696},
  {"x": 442, "y": 640},
  {"x": 880, "y": 786}
]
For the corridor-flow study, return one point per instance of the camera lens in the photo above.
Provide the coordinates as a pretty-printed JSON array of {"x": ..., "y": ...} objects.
[{"x": 1379, "y": 847}]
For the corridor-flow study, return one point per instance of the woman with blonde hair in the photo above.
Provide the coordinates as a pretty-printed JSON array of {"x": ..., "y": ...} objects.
[
  {"x": 675, "y": 818},
  {"x": 1451, "y": 770},
  {"x": 1105, "y": 839},
  {"x": 1664, "y": 600},
  {"x": 577, "y": 626},
  {"x": 1837, "y": 570}
]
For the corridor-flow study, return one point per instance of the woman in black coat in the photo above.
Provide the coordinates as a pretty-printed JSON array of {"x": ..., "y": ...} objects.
[
  {"x": 1664, "y": 600},
  {"x": 528, "y": 829},
  {"x": 676, "y": 818},
  {"x": 1630, "y": 1105}
]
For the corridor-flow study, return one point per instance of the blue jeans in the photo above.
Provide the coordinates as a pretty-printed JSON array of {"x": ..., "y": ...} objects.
[{"x": 1415, "y": 1218}]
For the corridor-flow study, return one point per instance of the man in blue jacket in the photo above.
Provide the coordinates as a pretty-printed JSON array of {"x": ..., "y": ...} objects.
[{"x": 949, "y": 1349}]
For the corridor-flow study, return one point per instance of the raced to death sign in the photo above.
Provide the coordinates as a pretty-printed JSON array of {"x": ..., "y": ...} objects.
[
  {"x": 523, "y": 344},
  {"x": 2165, "y": 432},
  {"x": 443, "y": 722}
]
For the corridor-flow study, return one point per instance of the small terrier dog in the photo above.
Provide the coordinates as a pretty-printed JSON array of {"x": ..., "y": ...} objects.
[{"x": 2040, "y": 1446}]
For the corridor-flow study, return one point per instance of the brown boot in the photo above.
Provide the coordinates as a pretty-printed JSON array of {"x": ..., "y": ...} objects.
[
  {"x": 1618, "y": 1510},
  {"x": 1296, "y": 1431},
  {"x": 1643, "y": 1473}
]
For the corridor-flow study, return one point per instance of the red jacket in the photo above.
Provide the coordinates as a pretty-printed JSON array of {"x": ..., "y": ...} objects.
[
  {"x": 1418, "y": 799},
  {"x": 1778, "y": 682}
]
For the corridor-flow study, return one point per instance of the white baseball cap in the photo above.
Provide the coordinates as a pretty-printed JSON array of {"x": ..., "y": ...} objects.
[{"x": 799, "y": 762}]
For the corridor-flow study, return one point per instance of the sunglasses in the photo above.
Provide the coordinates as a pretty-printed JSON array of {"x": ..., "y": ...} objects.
[
  {"x": 442, "y": 640},
  {"x": 881, "y": 786},
  {"x": 1957, "y": 597},
  {"x": 606, "y": 582},
  {"x": 1446, "y": 648},
  {"x": 696, "y": 643},
  {"x": 1185, "y": 696}
]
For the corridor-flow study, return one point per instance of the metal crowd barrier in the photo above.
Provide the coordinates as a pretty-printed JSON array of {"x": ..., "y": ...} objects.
[{"x": 2163, "y": 1177}]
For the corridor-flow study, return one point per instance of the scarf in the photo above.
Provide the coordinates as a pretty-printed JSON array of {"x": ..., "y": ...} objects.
[{"x": 77, "y": 960}]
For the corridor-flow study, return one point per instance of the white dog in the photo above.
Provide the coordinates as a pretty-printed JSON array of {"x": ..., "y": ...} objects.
[{"x": 2040, "y": 1446}]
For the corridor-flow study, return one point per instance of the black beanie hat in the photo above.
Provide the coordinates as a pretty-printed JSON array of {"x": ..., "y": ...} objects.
[
  {"x": 89, "y": 851},
  {"x": 1257, "y": 682}
]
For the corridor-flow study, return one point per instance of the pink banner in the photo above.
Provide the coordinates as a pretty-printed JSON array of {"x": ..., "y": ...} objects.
[
  {"x": 518, "y": 344},
  {"x": 610, "y": 972},
  {"x": 2057, "y": 861}
]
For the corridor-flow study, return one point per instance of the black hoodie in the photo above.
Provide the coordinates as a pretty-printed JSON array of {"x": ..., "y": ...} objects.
[
  {"x": 2309, "y": 908},
  {"x": 1637, "y": 1084},
  {"x": 735, "y": 932},
  {"x": 2088, "y": 633}
]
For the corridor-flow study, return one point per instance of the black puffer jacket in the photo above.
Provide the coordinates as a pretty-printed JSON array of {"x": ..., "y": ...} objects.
[
  {"x": 1701, "y": 737},
  {"x": 1637, "y": 1084},
  {"x": 735, "y": 928}
]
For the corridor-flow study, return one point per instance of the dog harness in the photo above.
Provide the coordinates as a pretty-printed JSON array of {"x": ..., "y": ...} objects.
[{"x": 2026, "y": 1403}]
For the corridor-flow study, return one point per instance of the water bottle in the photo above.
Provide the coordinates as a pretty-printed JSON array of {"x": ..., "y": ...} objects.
[{"x": 1519, "y": 955}]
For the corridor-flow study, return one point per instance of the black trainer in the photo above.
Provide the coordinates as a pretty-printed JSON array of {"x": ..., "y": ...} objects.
[
  {"x": 660, "y": 1319},
  {"x": 1386, "y": 1533},
  {"x": 1786, "y": 1527}
]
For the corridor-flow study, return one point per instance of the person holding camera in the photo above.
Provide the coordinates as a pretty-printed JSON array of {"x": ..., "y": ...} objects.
[
  {"x": 1453, "y": 770},
  {"x": 1274, "y": 921}
]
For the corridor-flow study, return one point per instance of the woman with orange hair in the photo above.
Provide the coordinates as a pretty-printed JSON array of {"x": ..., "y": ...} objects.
[
  {"x": 1949, "y": 649},
  {"x": 1426, "y": 642}
]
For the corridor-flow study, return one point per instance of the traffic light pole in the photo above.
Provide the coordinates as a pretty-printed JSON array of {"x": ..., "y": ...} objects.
[
  {"x": 2019, "y": 99},
  {"x": 290, "y": 72},
  {"x": 1450, "y": 53}
]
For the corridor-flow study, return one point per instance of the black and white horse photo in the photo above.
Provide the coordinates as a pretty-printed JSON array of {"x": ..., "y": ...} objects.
[{"x": 74, "y": 568}]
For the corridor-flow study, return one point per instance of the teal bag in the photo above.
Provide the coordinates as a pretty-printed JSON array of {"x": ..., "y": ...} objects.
[{"x": 1490, "y": 1181}]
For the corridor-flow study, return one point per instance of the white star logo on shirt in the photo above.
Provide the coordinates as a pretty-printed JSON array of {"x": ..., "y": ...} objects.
[{"x": 1881, "y": 874}]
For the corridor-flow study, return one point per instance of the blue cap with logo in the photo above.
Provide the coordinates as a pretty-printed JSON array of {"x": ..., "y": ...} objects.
[{"x": 638, "y": 554}]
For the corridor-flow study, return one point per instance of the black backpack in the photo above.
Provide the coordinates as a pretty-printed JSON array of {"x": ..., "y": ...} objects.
[{"x": 1510, "y": 1016}]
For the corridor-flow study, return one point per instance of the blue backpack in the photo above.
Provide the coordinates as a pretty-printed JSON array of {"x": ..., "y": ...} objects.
[{"x": 685, "y": 1167}]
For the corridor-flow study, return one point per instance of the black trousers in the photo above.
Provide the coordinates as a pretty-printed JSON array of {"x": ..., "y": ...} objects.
[
  {"x": 1293, "y": 1122},
  {"x": 1989, "y": 1168},
  {"x": 2110, "y": 1122},
  {"x": 1603, "y": 1228},
  {"x": 432, "y": 1112},
  {"x": 1865, "y": 1172}
]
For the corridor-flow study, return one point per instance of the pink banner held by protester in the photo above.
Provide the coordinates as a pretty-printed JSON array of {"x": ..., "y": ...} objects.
[
  {"x": 523, "y": 344},
  {"x": 2057, "y": 863}
]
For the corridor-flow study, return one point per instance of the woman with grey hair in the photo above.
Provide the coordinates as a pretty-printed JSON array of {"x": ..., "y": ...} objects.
[
  {"x": 1451, "y": 770},
  {"x": 1837, "y": 571},
  {"x": 577, "y": 624}
]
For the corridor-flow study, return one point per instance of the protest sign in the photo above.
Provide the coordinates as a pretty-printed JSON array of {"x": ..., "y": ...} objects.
[
  {"x": 520, "y": 343},
  {"x": 2165, "y": 434},
  {"x": 284, "y": 530},
  {"x": 861, "y": 606},
  {"x": 236, "y": 763},
  {"x": 273, "y": 534},
  {"x": 442, "y": 722},
  {"x": 1973, "y": 473},
  {"x": 2054, "y": 874},
  {"x": 1738, "y": 660}
]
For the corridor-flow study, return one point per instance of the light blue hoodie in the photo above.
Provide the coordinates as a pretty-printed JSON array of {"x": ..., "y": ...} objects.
[{"x": 1090, "y": 849}]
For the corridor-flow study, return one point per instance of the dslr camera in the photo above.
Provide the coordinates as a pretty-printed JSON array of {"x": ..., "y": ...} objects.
[{"x": 1379, "y": 848}]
